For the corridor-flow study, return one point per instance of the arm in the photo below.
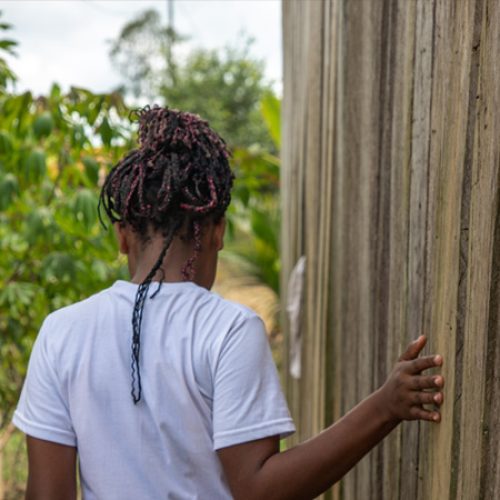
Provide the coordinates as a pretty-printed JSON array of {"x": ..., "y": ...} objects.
[
  {"x": 42, "y": 414},
  {"x": 52, "y": 471},
  {"x": 257, "y": 470}
]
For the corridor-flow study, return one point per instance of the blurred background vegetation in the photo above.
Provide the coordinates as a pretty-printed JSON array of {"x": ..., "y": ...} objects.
[{"x": 55, "y": 150}]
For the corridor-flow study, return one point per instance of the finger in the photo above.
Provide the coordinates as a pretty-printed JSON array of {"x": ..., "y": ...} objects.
[
  {"x": 413, "y": 349},
  {"x": 418, "y": 413},
  {"x": 427, "y": 398},
  {"x": 424, "y": 363},
  {"x": 419, "y": 382}
]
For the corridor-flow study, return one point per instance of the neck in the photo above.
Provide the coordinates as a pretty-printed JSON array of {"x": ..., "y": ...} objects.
[{"x": 142, "y": 261}]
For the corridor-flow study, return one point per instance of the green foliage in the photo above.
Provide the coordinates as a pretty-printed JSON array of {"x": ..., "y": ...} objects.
[
  {"x": 255, "y": 242},
  {"x": 225, "y": 87},
  {"x": 255, "y": 216},
  {"x": 7, "y": 46},
  {"x": 271, "y": 112},
  {"x": 53, "y": 151}
]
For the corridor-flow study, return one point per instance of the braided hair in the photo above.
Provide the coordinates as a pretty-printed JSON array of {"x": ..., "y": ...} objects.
[{"x": 179, "y": 177}]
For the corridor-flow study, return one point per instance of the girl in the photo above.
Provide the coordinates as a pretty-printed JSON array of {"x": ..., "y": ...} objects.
[{"x": 162, "y": 388}]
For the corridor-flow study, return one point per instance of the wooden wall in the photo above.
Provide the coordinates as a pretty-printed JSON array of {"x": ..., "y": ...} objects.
[{"x": 390, "y": 187}]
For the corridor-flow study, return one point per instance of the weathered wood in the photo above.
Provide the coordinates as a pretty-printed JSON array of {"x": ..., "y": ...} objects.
[
  {"x": 483, "y": 198},
  {"x": 390, "y": 188}
]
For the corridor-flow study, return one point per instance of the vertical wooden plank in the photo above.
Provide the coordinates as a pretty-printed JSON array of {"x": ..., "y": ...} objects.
[
  {"x": 287, "y": 188},
  {"x": 365, "y": 191},
  {"x": 360, "y": 153},
  {"x": 452, "y": 101},
  {"x": 490, "y": 462},
  {"x": 481, "y": 227},
  {"x": 338, "y": 229},
  {"x": 389, "y": 86},
  {"x": 328, "y": 286},
  {"x": 414, "y": 253},
  {"x": 315, "y": 382},
  {"x": 292, "y": 172},
  {"x": 351, "y": 109},
  {"x": 394, "y": 465}
]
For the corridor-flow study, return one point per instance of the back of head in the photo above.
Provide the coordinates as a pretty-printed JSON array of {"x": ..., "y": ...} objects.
[{"x": 178, "y": 175}]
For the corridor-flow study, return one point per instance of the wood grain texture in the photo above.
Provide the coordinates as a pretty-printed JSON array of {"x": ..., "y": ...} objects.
[{"x": 390, "y": 187}]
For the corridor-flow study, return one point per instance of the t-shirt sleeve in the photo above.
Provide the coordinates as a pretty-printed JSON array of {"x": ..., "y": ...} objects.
[
  {"x": 248, "y": 401},
  {"x": 42, "y": 411}
]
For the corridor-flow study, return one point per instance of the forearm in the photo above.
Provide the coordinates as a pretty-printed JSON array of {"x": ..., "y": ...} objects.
[
  {"x": 258, "y": 470},
  {"x": 310, "y": 468}
]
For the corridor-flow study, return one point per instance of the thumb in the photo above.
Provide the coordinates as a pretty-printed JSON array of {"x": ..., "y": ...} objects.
[{"x": 413, "y": 349}]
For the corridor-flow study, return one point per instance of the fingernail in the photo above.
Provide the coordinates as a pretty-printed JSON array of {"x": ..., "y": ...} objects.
[
  {"x": 438, "y": 359},
  {"x": 435, "y": 417},
  {"x": 437, "y": 381},
  {"x": 437, "y": 398}
]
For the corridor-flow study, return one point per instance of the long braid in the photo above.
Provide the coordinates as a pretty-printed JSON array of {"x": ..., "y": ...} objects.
[
  {"x": 178, "y": 177},
  {"x": 140, "y": 299}
]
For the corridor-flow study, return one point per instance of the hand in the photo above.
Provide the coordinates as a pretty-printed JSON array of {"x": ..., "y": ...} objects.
[{"x": 407, "y": 390}]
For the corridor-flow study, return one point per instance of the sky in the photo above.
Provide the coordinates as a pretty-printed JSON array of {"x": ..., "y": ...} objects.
[{"x": 67, "y": 41}]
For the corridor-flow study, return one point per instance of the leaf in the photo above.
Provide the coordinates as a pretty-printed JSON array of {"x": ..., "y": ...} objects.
[
  {"x": 55, "y": 92},
  {"x": 263, "y": 227},
  {"x": 105, "y": 131},
  {"x": 17, "y": 293},
  {"x": 271, "y": 112},
  {"x": 35, "y": 166},
  {"x": 5, "y": 143},
  {"x": 78, "y": 137},
  {"x": 8, "y": 46},
  {"x": 242, "y": 193},
  {"x": 91, "y": 169},
  {"x": 85, "y": 207},
  {"x": 94, "y": 109},
  {"x": 58, "y": 266},
  {"x": 9, "y": 189},
  {"x": 38, "y": 225},
  {"x": 23, "y": 109},
  {"x": 34, "y": 227}
]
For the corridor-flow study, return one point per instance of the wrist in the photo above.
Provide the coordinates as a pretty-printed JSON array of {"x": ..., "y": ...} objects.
[{"x": 384, "y": 409}]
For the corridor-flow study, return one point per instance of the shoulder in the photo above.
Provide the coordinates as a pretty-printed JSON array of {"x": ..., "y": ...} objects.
[
  {"x": 210, "y": 302},
  {"x": 242, "y": 324},
  {"x": 237, "y": 309},
  {"x": 232, "y": 316},
  {"x": 59, "y": 324},
  {"x": 222, "y": 323},
  {"x": 78, "y": 310}
]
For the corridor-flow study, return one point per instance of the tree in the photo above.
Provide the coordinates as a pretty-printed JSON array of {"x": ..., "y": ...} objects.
[
  {"x": 225, "y": 87},
  {"x": 52, "y": 251}
]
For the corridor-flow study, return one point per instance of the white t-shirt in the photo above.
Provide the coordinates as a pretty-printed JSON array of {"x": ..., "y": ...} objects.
[{"x": 208, "y": 382}]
